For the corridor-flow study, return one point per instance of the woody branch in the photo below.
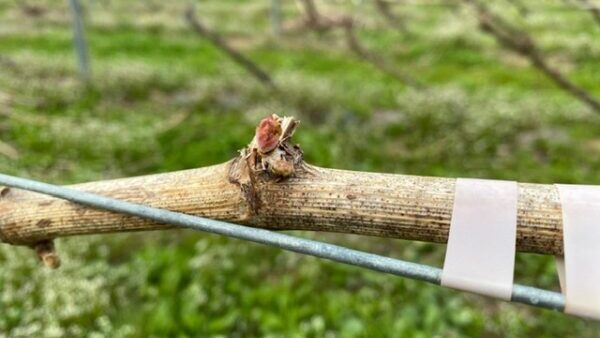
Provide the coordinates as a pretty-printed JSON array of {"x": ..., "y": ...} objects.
[{"x": 270, "y": 186}]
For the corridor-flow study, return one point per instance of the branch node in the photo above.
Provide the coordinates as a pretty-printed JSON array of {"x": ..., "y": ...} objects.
[
  {"x": 271, "y": 151},
  {"x": 270, "y": 156}
]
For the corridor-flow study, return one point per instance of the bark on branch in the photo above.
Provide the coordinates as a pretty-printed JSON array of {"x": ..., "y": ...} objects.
[{"x": 269, "y": 186}]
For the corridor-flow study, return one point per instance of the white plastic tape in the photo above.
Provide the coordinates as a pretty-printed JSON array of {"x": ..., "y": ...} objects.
[
  {"x": 581, "y": 240},
  {"x": 480, "y": 256}
]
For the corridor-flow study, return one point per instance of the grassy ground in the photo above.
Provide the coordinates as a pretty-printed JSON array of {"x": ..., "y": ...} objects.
[{"x": 163, "y": 99}]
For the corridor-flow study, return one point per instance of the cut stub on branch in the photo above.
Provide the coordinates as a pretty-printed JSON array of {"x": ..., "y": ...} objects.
[{"x": 47, "y": 254}]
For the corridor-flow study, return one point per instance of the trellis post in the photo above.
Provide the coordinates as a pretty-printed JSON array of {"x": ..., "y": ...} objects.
[
  {"x": 276, "y": 17},
  {"x": 79, "y": 41}
]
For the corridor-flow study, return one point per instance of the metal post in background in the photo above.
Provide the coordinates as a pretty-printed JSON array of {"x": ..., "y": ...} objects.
[
  {"x": 276, "y": 17},
  {"x": 79, "y": 42}
]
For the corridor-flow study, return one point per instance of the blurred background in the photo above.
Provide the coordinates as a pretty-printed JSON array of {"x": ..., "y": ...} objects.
[{"x": 442, "y": 88}]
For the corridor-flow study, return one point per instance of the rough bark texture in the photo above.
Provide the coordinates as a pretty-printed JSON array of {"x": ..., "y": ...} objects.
[
  {"x": 270, "y": 186},
  {"x": 388, "y": 205}
]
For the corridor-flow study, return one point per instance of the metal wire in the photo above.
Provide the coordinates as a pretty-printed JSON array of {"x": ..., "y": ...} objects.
[{"x": 521, "y": 294}]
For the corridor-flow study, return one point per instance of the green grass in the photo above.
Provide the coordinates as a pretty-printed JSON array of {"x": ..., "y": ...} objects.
[{"x": 162, "y": 99}]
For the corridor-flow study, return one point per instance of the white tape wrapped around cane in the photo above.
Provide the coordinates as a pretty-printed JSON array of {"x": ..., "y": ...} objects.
[
  {"x": 480, "y": 256},
  {"x": 581, "y": 240}
]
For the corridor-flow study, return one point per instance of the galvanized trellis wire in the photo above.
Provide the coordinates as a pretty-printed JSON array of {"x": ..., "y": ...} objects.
[
  {"x": 79, "y": 41},
  {"x": 520, "y": 293}
]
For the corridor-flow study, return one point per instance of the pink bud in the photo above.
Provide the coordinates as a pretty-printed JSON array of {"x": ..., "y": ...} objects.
[{"x": 267, "y": 134}]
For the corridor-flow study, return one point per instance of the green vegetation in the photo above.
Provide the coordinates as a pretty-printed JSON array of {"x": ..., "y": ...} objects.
[{"x": 163, "y": 99}]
